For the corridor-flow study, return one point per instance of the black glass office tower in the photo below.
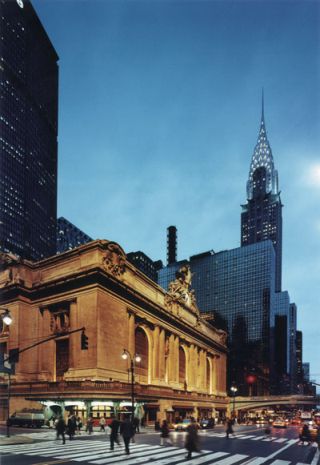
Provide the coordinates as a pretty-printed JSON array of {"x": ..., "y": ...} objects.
[
  {"x": 69, "y": 236},
  {"x": 261, "y": 216},
  {"x": 28, "y": 133}
]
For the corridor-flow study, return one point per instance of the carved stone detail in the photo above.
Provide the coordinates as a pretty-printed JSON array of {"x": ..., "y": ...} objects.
[
  {"x": 114, "y": 259},
  {"x": 180, "y": 291},
  {"x": 9, "y": 274},
  {"x": 59, "y": 321}
]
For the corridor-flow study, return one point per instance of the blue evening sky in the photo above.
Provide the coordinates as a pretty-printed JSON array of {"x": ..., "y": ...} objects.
[{"x": 159, "y": 112}]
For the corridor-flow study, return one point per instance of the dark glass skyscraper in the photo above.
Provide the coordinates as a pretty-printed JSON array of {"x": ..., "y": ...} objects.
[
  {"x": 69, "y": 236},
  {"x": 261, "y": 216},
  {"x": 28, "y": 133}
]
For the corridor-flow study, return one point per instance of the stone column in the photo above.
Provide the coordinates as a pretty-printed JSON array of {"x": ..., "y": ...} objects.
[
  {"x": 214, "y": 375},
  {"x": 161, "y": 356},
  {"x": 155, "y": 355},
  {"x": 131, "y": 333},
  {"x": 176, "y": 357}
]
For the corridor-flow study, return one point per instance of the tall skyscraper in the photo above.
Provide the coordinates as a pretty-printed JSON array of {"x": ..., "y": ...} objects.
[
  {"x": 261, "y": 216},
  {"x": 69, "y": 236},
  {"x": 237, "y": 287},
  {"x": 28, "y": 133}
]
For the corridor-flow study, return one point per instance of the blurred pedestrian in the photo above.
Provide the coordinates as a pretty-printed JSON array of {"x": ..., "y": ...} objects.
[
  {"x": 136, "y": 423},
  {"x": 79, "y": 425},
  {"x": 61, "y": 428},
  {"x": 102, "y": 424},
  {"x": 127, "y": 432},
  {"x": 90, "y": 425},
  {"x": 71, "y": 426},
  {"x": 192, "y": 441},
  {"x": 165, "y": 434},
  {"x": 114, "y": 427},
  {"x": 229, "y": 429}
]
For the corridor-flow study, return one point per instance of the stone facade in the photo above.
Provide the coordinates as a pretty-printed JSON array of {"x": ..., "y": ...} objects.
[{"x": 183, "y": 358}]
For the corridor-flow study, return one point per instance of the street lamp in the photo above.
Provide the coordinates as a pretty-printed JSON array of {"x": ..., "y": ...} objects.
[
  {"x": 7, "y": 319},
  {"x": 127, "y": 355},
  {"x": 6, "y": 316},
  {"x": 234, "y": 390}
]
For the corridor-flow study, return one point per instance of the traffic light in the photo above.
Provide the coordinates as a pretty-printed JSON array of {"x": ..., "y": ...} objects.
[
  {"x": 14, "y": 355},
  {"x": 84, "y": 341}
]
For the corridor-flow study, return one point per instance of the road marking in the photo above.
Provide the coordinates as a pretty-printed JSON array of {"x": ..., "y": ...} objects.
[
  {"x": 199, "y": 460},
  {"x": 244, "y": 437},
  {"x": 183, "y": 452},
  {"x": 316, "y": 457},
  {"x": 281, "y": 462},
  {"x": 260, "y": 460},
  {"x": 51, "y": 463},
  {"x": 281, "y": 440}
]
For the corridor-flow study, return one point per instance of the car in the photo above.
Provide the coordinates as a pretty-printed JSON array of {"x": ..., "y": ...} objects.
[
  {"x": 261, "y": 421},
  {"x": 207, "y": 423},
  {"x": 183, "y": 425},
  {"x": 279, "y": 423},
  {"x": 30, "y": 418}
]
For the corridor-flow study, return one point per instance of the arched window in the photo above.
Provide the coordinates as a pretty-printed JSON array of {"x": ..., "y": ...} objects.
[
  {"x": 142, "y": 348},
  {"x": 208, "y": 374},
  {"x": 182, "y": 365}
]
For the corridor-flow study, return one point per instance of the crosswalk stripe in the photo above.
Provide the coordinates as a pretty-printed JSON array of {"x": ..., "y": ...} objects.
[
  {"x": 227, "y": 461},
  {"x": 53, "y": 448},
  {"x": 152, "y": 450},
  {"x": 116, "y": 452},
  {"x": 183, "y": 452},
  {"x": 245, "y": 437},
  {"x": 173, "y": 454},
  {"x": 316, "y": 457},
  {"x": 281, "y": 440},
  {"x": 272, "y": 438},
  {"x": 280, "y": 462},
  {"x": 96, "y": 454},
  {"x": 257, "y": 438}
]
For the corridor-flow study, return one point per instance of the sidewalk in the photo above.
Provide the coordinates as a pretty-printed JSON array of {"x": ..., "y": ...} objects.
[{"x": 4, "y": 440}]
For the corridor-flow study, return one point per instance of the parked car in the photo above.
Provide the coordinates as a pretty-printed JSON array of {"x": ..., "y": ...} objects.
[
  {"x": 30, "y": 419},
  {"x": 207, "y": 423}
]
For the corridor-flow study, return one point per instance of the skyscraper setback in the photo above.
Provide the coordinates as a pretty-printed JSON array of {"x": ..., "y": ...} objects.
[
  {"x": 28, "y": 133},
  {"x": 261, "y": 217}
]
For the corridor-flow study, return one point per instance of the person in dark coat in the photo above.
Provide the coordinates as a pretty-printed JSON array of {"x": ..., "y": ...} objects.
[
  {"x": 165, "y": 433},
  {"x": 192, "y": 441},
  {"x": 61, "y": 427},
  {"x": 127, "y": 432},
  {"x": 229, "y": 429},
  {"x": 71, "y": 426},
  {"x": 136, "y": 424},
  {"x": 114, "y": 426},
  {"x": 305, "y": 434}
]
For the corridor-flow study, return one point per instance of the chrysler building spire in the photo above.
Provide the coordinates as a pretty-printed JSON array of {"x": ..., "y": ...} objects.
[
  {"x": 261, "y": 216},
  {"x": 262, "y": 158}
]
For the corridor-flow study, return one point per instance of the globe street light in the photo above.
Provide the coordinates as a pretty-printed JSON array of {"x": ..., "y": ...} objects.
[
  {"x": 234, "y": 390},
  {"x": 136, "y": 359},
  {"x": 7, "y": 320},
  {"x": 6, "y": 316}
]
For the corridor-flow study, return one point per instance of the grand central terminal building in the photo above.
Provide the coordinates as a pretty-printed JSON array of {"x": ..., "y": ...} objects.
[{"x": 182, "y": 368}]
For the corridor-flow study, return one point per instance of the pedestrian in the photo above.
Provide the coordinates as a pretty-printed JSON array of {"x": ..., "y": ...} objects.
[
  {"x": 114, "y": 427},
  {"x": 165, "y": 433},
  {"x": 127, "y": 432},
  {"x": 318, "y": 437},
  {"x": 79, "y": 425},
  {"x": 192, "y": 441},
  {"x": 136, "y": 423},
  {"x": 305, "y": 435},
  {"x": 102, "y": 424},
  {"x": 61, "y": 427},
  {"x": 229, "y": 429},
  {"x": 90, "y": 425},
  {"x": 71, "y": 426}
]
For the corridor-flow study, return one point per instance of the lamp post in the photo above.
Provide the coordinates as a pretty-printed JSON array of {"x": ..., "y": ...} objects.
[
  {"x": 7, "y": 319},
  {"x": 234, "y": 390},
  {"x": 136, "y": 358}
]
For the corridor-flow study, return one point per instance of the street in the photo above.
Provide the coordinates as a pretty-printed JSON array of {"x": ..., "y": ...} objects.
[{"x": 249, "y": 445}]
